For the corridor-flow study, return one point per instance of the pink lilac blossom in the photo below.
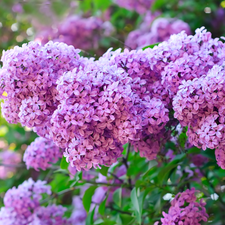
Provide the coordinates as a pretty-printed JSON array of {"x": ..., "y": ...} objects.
[
  {"x": 40, "y": 153},
  {"x": 150, "y": 99},
  {"x": 82, "y": 33},
  {"x": 185, "y": 210},
  {"x": 140, "y": 6},
  {"x": 22, "y": 206},
  {"x": 199, "y": 105},
  {"x": 28, "y": 76},
  {"x": 95, "y": 108},
  {"x": 17, "y": 8},
  {"x": 10, "y": 159},
  {"x": 155, "y": 31}
]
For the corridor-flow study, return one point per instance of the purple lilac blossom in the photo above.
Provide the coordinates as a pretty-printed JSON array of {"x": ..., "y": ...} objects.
[
  {"x": 29, "y": 75},
  {"x": 198, "y": 159},
  {"x": 40, "y": 153},
  {"x": 185, "y": 210},
  {"x": 202, "y": 111},
  {"x": 140, "y": 6},
  {"x": 151, "y": 32},
  {"x": 82, "y": 33},
  {"x": 22, "y": 206},
  {"x": 11, "y": 159},
  {"x": 94, "y": 109}
]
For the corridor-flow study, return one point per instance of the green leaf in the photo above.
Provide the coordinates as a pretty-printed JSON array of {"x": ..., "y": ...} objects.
[
  {"x": 64, "y": 164},
  {"x": 135, "y": 202},
  {"x": 101, "y": 208},
  {"x": 164, "y": 173},
  {"x": 158, "y": 4},
  {"x": 104, "y": 170},
  {"x": 98, "y": 221},
  {"x": 77, "y": 177},
  {"x": 88, "y": 197},
  {"x": 101, "y": 4},
  {"x": 182, "y": 139},
  {"x": 117, "y": 197},
  {"x": 151, "y": 46},
  {"x": 193, "y": 150},
  {"x": 90, "y": 217},
  {"x": 209, "y": 153},
  {"x": 152, "y": 164}
]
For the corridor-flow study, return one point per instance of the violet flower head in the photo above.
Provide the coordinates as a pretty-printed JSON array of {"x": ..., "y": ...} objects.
[
  {"x": 40, "y": 153},
  {"x": 22, "y": 206},
  {"x": 29, "y": 75},
  {"x": 185, "y": 209}
]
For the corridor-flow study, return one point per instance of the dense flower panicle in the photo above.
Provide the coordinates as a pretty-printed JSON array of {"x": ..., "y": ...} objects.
[
  {"x": 50, "y": 215},
  {"x": 40, "y": 153},
  {"x": 22, "y": 206},
  {"x": 24, "y": 199},
  {"x": 150, "y": 100},
  {"x": 140, "y": 6},
  {"x": 192, "y": 57},
  {"x": 155, "y": 31},
  {"x": 29, "y": 76},
  {"x": 82, "y": 33},
  {"x": 11, "y": 159},
  {"x": 199, "y": 104},
  {"x": 185, "y": 210},
  {"x": 94, "y": 109}
]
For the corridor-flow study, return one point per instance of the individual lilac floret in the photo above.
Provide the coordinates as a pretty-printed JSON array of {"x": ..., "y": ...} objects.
[
  {"x": 186, "y": 210},
  {"x": 11, "y": 159},
  {"x": 41, "y": 153}
]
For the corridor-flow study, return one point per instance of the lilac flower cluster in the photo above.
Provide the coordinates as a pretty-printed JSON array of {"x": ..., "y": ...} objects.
[
  {"x": 91, "y": 107},
  {"x": 93, "y": 118},
  {"x": 185, "y": 210},
  {"x": 199, "y": 105},
  {"x": 140, "y": 6},
  {"x": 40, "y": 153},
  {"x": 29, "y": 79},
  {"x": 154, "y": 31},
  {"x": 10, "y": 159},
  {"x": 83, "y": 33},
  {"x": 22, "y": 206},
  {"x": 150, "y": 99}
]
